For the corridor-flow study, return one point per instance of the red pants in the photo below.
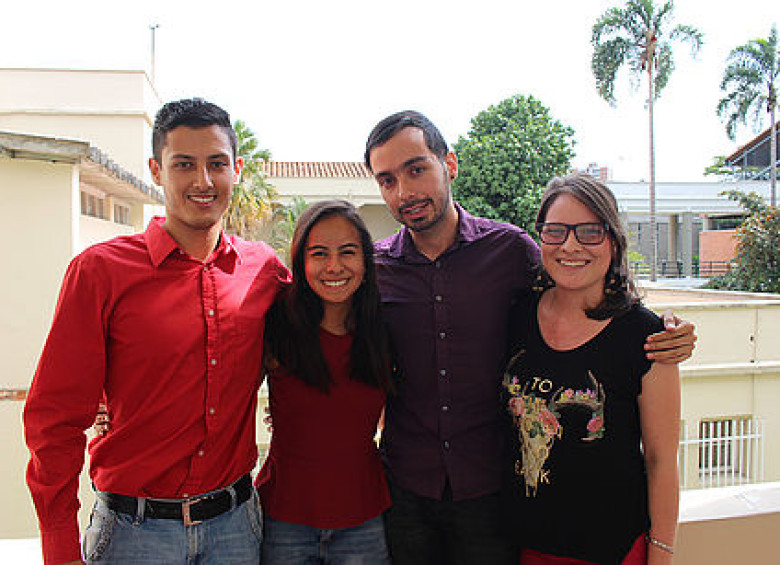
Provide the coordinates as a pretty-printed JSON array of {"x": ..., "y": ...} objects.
[{"x": 637, "y": 556}]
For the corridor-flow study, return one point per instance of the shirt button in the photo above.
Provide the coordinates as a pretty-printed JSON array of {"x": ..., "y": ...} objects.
[
  {"x": 446, "y": 444},
  {"x": 442, "y": 335},
  {"x": 443, "y": 372},
  {"x": 200, "y": 453},
  {"x": 211, "y": 312},
  {"x": 438, "y": 298},
  {"x": 213, "y": 361},
  {"x": 438, "y": 264},
  {"x": 211, "y": 411},
  {"x": 445, "y": 408}
]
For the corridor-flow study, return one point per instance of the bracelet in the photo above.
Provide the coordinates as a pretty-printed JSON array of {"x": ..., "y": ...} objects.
[{"x": 659, "y": 544}]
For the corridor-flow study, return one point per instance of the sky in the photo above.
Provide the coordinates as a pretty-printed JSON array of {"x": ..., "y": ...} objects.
[{"x": 311, "y": 78}]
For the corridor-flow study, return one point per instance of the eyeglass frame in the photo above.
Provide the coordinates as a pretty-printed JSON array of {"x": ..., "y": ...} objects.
[{"x": 573, "y": 228}]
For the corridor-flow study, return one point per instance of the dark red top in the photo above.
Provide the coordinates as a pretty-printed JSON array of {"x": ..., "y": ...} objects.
[{"x": 323, "y": 468}]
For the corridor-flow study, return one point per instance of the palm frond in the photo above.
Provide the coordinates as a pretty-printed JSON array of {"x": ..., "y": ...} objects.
[{"x": 749, "y": 81}]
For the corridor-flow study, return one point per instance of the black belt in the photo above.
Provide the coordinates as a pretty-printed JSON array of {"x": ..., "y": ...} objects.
[{"x": 192, "y": 510}]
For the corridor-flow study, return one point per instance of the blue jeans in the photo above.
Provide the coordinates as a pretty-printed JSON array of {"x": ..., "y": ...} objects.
[
  {"x": 231, "y": 538},
  {"x": 295, "y": 544}
]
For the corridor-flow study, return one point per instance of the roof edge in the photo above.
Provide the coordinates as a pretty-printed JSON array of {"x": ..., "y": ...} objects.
[{"x": 33, "y": 147}]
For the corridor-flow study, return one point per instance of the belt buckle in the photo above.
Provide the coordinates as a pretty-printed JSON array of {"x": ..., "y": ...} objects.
[{"x": 185, "y": 512}]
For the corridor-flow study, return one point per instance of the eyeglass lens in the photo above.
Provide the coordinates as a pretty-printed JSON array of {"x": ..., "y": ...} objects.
[{"x": 586, "y": 233}]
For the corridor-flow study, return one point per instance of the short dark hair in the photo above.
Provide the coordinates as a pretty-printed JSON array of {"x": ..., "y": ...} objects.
[
  {"x": 190, "y": 112},
  {"x": 600, "y": 200},
  {"x": 292, "y": 327},
  {"x": 391, "y": 125}
]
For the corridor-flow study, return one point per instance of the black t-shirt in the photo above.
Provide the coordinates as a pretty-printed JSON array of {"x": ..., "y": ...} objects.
[{"x": 576, "y": 471}]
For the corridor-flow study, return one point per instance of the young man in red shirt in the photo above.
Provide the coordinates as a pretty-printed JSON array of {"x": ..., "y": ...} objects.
[{"x": 166, "y": 326}]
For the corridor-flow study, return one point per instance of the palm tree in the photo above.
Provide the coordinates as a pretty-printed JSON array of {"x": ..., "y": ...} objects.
[
  {"x": 283, "y": 227},
  {"x": 750, "y": 82},
  {"x": 640, "y": 36},
  {"x": 253, "y": 199}
]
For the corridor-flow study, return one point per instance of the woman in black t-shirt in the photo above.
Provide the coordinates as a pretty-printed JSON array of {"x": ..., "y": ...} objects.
[{"x": 594, "y": 423}]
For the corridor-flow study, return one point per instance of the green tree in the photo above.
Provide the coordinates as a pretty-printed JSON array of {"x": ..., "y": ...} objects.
[
  {"x": 719, "y": 168},
  {"x": 512, "y": 150},
  {"x": 253, "y": 199},
  {"x": 283, "y": 225},
  {"x": 640, "y": 36},
  {"x": 750, "y": 82},
  {"x": 756, "y": 267}
]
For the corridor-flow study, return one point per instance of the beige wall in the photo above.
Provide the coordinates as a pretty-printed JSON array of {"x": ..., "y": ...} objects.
[
  {"x": 39, "y": 243},
  {"x": 112, "y": 110},
  {"x": 95, "y": 230},
  {"x": 362, "y": 192},
  {"x": 18, "y": 518},
  {"x": 117, "y": 136},
  {"x": 733, "y": 541},
  {"x": 735, "y": 369},
  {"x": 42, "y": 235},
  {"x": 379, "y": 221}
]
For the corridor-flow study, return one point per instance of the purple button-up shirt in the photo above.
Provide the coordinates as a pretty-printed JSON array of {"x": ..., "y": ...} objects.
[{"x": 449, "y": 319}]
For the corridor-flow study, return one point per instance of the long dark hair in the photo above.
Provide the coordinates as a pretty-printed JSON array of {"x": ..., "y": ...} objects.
[
  {"x": 293, "y": 322},
  {"x": 620, "y": 291}
]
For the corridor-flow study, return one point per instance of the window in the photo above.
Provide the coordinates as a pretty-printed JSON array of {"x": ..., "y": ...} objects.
[
  {"x": 92, "y": 205},
  {"x": 726, "y": 222},
  {"x": 729, "y": 450},
  {"x": 121, "y": 214}
]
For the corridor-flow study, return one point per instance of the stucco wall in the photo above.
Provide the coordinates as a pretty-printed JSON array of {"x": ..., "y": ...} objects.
[
  {"x": 95, "y": 230},
  {"x": 39, "y": 243},
  {"x": 362, "y": 192},
  {"x": 749, "y": 539},
  {"x": 379, "y": 221},
  {"x": 118, "y": 136},
  {"x": 735, "y": 370},
  {"x": 112, "y": 110}
]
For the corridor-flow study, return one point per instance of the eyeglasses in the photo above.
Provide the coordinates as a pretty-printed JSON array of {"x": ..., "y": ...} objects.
[{"x": 589, "y": 233}]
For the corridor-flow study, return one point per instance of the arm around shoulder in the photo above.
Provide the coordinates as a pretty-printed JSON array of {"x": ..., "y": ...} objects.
[{"x": 674, "y": 344}]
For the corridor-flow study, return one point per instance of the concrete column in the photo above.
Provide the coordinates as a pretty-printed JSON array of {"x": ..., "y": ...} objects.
[
  {"x": 671, "y": 254},
  {"x": 109, "y": 204},
  {"x": 687, "y": 243}
]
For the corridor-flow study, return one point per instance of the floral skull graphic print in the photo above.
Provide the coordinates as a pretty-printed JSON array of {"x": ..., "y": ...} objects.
[{"x": 536, "y": 415}]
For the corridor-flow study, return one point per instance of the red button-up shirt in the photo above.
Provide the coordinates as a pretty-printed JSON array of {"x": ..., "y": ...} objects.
[{"x": 174, "y": 344}]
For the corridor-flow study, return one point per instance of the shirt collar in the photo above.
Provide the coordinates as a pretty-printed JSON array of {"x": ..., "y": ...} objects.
[
  {"x": 160, "y": 243},
  {"x": 468, "y": 231}
]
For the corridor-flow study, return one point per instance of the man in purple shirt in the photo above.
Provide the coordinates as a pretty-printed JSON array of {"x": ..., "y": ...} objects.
[{"x": 448, "y": 280}]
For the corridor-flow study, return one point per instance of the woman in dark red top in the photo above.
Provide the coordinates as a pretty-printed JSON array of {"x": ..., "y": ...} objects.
[{"x": 322, "y": 486}]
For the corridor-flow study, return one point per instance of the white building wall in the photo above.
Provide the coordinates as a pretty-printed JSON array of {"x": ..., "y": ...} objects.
[
  {"x": 112, "y": 110},
  {"x": 39, "y": 243}
]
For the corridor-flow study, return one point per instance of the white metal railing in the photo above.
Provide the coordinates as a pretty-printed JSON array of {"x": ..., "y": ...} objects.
[{"x": 727, "y": 451}]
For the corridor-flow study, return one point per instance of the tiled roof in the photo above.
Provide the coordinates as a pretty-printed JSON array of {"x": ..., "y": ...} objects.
[{"x": 315, "y": 169}]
